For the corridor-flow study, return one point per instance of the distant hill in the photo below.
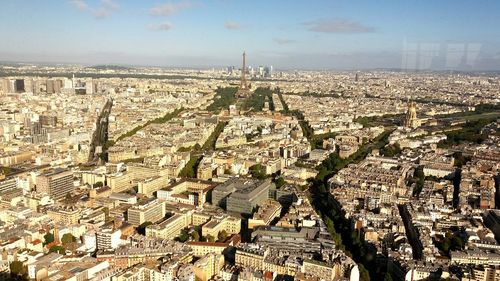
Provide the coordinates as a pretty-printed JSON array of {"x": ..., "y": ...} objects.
[{"x": 108, "y": 67}]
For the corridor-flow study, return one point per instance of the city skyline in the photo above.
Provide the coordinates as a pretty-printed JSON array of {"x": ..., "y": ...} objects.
[{"x": 447, "y": 35}]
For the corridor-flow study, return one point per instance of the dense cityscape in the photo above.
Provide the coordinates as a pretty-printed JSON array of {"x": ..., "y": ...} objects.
[
  {"x": 251, "y": 172},
  {"x": 193, "y": 175}
]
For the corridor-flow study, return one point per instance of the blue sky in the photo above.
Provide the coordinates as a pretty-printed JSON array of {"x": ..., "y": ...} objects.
[{"x": 293, "y": 34}]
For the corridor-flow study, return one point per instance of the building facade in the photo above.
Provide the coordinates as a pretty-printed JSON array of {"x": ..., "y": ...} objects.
[{"x": 57, "y": 183}]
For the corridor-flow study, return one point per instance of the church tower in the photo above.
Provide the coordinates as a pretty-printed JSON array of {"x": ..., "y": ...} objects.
[{"x": 411, "y": 120}]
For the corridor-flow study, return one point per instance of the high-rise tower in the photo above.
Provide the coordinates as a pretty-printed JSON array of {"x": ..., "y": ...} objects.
[{"x": 243, "y": 90}]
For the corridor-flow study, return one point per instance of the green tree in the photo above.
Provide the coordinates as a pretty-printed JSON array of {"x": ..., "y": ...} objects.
[
  {"x": 419, "y": 173},
  {"x": 195, "y": 235},
  {"x": 391, "y": 150},
  {"x": 222, "y": 236},
  {"x": 4, "y": 170},
  {"x": 224, "y": 97},
  {"x": 258, "y": 171},
  {"x": 471, "y": 132},
  {"x": 212, "y": 139},
  {"x": 191, "y": 167},
  {"x": 387, "y": 277},
  {"x": 457, "y": 243},
  {"x": 57, "y": 249},
  {"x": 210, "y": 238},
  {"x": 183, "y": 236},
  {"x": 445, "y": 245},
  {"x": 18, "y": 268},
  {"x": 280, "y": 182},
  {"x": 418, "y": 179},
  {"x": 68, "y": 198},
  {"x": 258, "y": 98},
  {"x": 68, "y": 238},
  {"x": 48, "y": 238},
  {"x": 106, "y": 213},
  {"x": 99, "y": 184},
  {"x": 364, "y": 275}
]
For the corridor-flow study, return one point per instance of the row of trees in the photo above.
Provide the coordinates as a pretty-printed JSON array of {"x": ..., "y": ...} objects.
[
  {"x": 280, "y": 96},
  {"x": 316, "y": 141},
  {"x": 307, "y": 130},
  {"x": 65, "y": 239},
  {"x": 330, "y": 210},
  {"x": 210, "y": 143},
  {"x": 223, "y": 99},
  {"x": 189, "y": 171},
  {"x": 341, "y": 228},
  {"x": 196, "y": 156},
  {"x": 165, "y": 118},
  {"x": 194, "y": 235}
]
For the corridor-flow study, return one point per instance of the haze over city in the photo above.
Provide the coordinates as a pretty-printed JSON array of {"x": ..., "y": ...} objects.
[{"x": 443, "y": 35}]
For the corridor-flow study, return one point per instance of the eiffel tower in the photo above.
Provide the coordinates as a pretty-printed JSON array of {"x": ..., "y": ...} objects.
[{"x": 243, "y": 90}]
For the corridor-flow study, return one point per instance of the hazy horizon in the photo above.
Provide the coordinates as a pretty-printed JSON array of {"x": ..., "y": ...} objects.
[{"x": 337, "y": 35}]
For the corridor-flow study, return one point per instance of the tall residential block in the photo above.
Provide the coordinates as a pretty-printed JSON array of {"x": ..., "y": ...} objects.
[
  {"x": 56, "y": 183},
  {"x": 152, "y": 211}
]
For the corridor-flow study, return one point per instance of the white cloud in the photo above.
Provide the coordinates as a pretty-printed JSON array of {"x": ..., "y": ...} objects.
[
  {"x": 232, "y": 25},
  {"x": 103, "y": 10},
  {"x": 110, "y": 4},
  {"x": 283, "y": 41},
  {"x": 170, "y": 8},
  {"x": 79, "y": 4},
  {"x": 337, "y": 26},
  {"x": 161, "y": 26}
]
